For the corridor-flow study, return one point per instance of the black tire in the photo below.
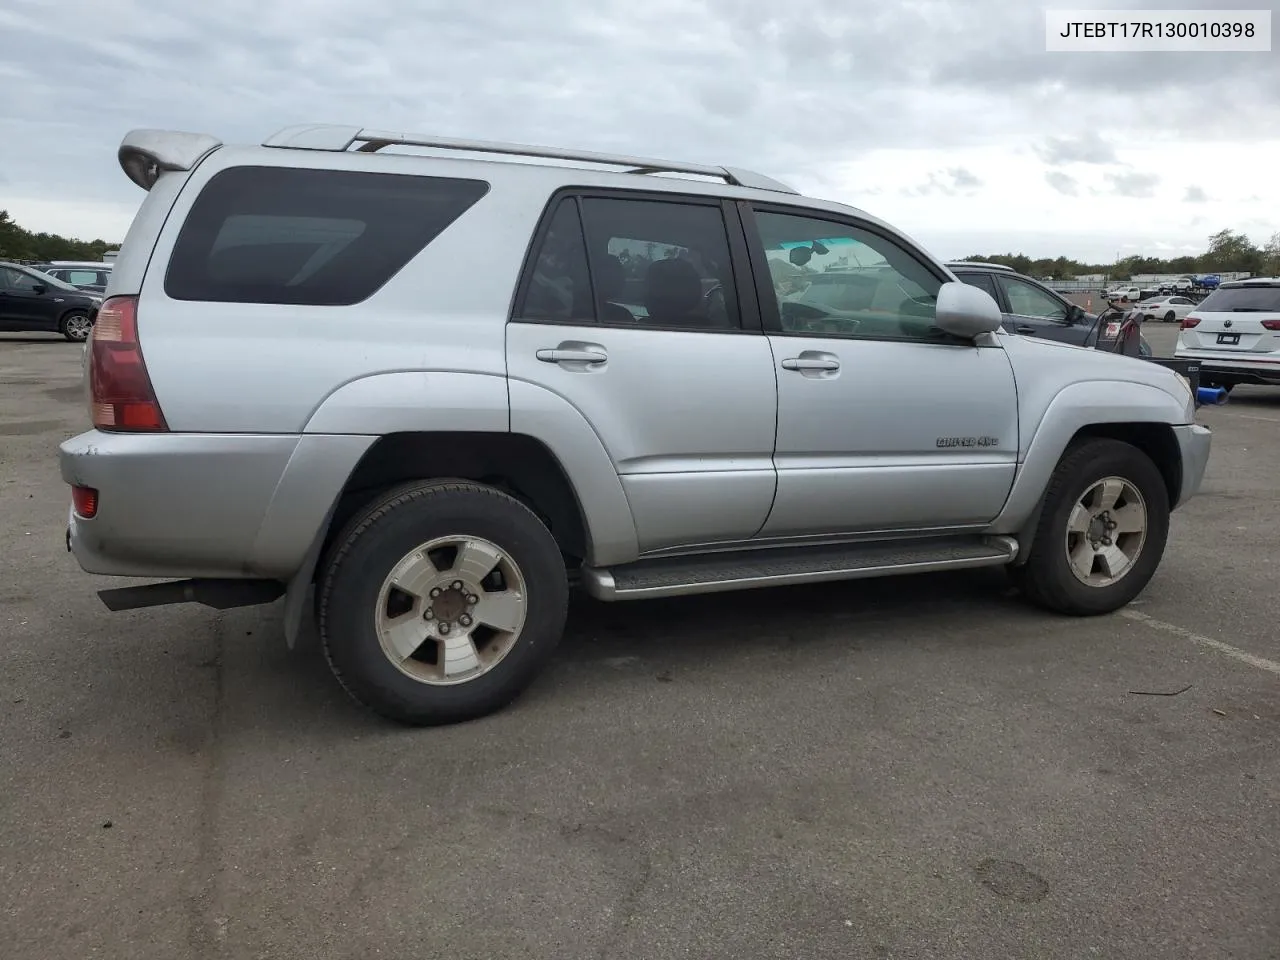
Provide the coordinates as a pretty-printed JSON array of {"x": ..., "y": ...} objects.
[
  {"x": 72, "y": 328},
  {"x": 377, "y": 538},
  {"x": 1047, "y": 579},
  {"x": 1170, "y": 317}
]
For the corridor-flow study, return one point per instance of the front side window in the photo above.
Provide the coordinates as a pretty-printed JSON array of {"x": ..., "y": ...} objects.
[
  {"x": 314, "y": 237},
  {"x": 833, "y": 279},
  {"x": 26, "y": 282},
  {"x": 1026, "y": 300}
]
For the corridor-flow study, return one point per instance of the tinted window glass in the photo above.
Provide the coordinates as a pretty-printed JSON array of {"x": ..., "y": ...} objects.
[
  {"x": 1026, "y": 300},
  {"x": 320, "y": 237},
  {"x": 8, "y": 278},
  {"x": 666, "y": 264},
  {"x": 559, "y": 285},
  {"x": 982, "y": 281},
  {"x": 1242, "y": 300},
  {"x": 832, "y": 279},
  {"x": 27, "y": 282}
]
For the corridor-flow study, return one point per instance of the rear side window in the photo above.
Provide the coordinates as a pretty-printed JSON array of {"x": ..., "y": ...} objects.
[
  {"x": 1256, "y": 299},
  {"x": 311, "y": 237}
]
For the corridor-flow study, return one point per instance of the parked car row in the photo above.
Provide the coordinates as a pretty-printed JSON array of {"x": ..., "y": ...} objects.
[{"x": 1184, "y": 286}]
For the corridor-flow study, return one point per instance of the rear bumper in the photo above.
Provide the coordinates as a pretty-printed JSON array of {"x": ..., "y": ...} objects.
[
  {"x": 204, "y": 505},
  {"x": 1194, "y": 442},
  {"x": 1237, "y": 369},
  {"x": 172, "y": 505}
]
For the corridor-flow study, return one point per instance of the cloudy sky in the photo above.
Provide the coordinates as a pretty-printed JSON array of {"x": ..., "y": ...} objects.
[{"x": 946, "y": 118}]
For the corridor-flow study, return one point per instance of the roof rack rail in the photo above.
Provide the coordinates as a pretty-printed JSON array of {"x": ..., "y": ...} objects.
[
  {"x": 340, "y": 138},
  {"x": 979, "y": 263}
]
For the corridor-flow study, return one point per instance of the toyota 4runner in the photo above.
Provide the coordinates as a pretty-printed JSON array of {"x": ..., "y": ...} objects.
[{"x": 425, "y": 385}]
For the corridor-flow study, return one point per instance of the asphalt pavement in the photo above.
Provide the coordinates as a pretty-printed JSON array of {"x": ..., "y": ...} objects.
[{"x": 917, "y": 767}]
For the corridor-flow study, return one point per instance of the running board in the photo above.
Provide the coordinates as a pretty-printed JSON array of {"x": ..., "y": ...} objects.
[{"x": 784, "y": 566}]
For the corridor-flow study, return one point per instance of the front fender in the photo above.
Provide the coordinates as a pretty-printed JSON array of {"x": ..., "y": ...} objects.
[{"x": 1073, "y": 408}]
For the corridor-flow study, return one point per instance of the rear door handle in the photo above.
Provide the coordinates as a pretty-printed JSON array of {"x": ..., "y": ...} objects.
[
  {"x": 811, "y": 362},
  {"x": 572, "y": 356},
  {"x": 1024, "y": 329}
]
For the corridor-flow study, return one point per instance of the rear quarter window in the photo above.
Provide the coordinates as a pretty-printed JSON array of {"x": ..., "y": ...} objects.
[
  {"x": 308, "y": 237},
  {"x": 1255, "y": 299}
]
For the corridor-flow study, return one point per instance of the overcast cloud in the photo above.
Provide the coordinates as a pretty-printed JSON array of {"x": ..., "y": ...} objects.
[{"x": 946, "y": 118}]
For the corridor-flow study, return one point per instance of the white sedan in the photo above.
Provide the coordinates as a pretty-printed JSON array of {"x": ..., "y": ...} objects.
[{"x": 1166, "y": 309}]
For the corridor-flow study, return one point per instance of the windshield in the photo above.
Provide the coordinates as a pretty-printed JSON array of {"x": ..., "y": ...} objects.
[
  {"x": 1242, "y": 300},
  {"x": 51, "y": 281}
]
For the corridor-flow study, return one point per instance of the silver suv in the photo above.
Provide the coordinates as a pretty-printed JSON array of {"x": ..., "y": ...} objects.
[{"x": 428, "y": 385}]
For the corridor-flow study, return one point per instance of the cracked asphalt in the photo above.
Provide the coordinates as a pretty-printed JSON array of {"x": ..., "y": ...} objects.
[{"x": 916, "y": 768}]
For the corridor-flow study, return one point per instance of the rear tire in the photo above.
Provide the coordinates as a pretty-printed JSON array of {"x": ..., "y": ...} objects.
[
  {"x": 420, "y": 664},
  {"x": 1079, "y": 564},
  {"x": 75, "y": 326}
]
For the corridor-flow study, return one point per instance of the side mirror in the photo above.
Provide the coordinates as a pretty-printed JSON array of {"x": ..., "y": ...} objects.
[
  {"x": 1075, "y": 314},
  {"x": 39, "y": 289},
  {"x": 966, "y": 311}
]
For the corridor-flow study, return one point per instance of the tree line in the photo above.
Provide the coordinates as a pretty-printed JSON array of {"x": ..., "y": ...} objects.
[
  {"x": 1228, "y": 252},
  {"x": 17, "y": 243}
]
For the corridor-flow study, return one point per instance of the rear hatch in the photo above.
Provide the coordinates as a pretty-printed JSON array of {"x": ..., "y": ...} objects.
[{"x": 1240, "y": 321}]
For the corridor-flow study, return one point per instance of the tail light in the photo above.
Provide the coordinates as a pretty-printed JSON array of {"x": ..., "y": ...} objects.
[
  {"x": 85, "y": 501},
  {"x": 1271, "y": 324},
  {"x": 1189, "y": 322},
  {"x": 121, "y": 396}
]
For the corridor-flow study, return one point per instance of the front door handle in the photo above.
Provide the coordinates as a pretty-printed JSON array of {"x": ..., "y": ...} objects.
[
  {"x": 1024, "y": 329},
  {"x": 560, "y": 355}
]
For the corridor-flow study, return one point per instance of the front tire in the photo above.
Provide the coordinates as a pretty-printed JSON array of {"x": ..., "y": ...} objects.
[
  {"x": 1102, "y": 532},
  {"x": 1170, "y": 317},
  {"x": 442, "y": 602},
  {"x": 75, "y": 326}
]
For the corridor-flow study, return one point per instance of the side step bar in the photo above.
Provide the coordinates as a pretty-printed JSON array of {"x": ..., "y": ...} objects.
[
  {"x": 216, "y": 593},
  {"x": 784, "y": 566}
]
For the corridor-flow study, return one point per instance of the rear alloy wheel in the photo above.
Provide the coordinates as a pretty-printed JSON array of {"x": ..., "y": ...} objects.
[
  {"x": 1102, "y": 532},
  {"x": 442, "y": 602},
  {"x": 75, "y": 326}
]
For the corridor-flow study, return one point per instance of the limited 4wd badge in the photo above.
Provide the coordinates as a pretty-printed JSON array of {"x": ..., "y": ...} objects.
[{"x": 968, "y": 441}]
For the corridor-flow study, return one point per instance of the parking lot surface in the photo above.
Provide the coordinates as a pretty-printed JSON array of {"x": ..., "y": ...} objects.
[{"x": 917, "y": 767}]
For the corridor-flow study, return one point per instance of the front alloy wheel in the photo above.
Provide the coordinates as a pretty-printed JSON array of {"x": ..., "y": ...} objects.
[
  {"x": 1105, "y": 534},
  {"x": 1102, "y": 530}
]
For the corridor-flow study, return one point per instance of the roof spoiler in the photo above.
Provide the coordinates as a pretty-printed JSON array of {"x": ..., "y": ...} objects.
[{"x": 145, "y": 154}]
